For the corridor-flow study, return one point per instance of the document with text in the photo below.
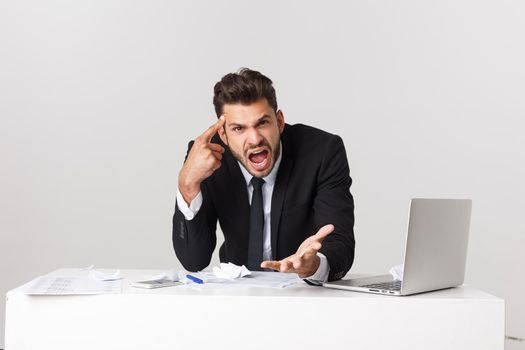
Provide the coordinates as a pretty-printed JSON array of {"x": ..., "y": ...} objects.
[{"x": 48, "y": 285}]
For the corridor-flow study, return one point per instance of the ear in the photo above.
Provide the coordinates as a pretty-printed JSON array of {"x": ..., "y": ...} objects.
[
  {"x": 280, "y": 120},
  {"x": 222, "y": 135}
]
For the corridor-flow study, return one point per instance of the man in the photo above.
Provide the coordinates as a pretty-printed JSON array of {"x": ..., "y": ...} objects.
[{"x": 280, "y": 192}]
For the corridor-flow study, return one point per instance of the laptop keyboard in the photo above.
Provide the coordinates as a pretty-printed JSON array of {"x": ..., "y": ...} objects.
[{"x": 393, "y": 285}]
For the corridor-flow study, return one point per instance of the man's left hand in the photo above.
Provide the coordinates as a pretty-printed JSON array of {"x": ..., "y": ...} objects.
[{"x": 305, "y": 261}]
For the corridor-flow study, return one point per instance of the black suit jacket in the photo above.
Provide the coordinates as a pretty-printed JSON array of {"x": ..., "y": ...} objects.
[{"x": 312, "y": 189}]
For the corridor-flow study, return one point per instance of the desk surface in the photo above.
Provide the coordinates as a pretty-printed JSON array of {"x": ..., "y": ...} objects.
[
  {"x": 230, "y": 317},
  {"x": 300, "y": 290}
]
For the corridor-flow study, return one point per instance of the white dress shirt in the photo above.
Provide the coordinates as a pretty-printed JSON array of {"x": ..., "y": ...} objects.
[{"x": 190, "y": 211}]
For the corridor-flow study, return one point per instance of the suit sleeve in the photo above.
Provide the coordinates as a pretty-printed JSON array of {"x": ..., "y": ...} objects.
[
  {"x": 194, "y": 240},
  {"x": 335, "y": 205}
]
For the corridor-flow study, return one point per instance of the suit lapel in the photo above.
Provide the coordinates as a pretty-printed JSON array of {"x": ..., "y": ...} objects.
[{"x": 279, "y": 190}]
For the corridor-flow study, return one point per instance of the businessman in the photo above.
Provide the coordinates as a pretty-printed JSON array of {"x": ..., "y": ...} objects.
[{"x": 280, "y": 192}]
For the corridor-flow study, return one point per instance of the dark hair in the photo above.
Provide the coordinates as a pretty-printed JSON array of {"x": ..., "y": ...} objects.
[{"x": 244, "y": 87}]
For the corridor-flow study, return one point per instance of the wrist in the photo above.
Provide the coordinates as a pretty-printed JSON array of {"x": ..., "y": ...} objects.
[
  {"x": 314, "y": 266},
  {"x": 188, "y": 189}
]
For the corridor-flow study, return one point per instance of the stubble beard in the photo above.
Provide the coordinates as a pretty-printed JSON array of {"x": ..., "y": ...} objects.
[{"x": 244, "y": 160}]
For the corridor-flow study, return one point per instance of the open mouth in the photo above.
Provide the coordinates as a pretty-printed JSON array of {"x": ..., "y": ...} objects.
[{"x": 259, "y": 160}]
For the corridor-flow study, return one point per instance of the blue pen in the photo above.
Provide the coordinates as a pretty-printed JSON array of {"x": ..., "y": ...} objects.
[{"x": 194, "y": 279}]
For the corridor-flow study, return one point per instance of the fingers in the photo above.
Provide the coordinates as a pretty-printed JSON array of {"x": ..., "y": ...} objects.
[
  {"x": 274, "y": 265},
  {"x": 287, "y": 265},
  {"x": 305, "y": 262},
  {"x": 323, "y": 232},
  {"x": 216, "y": 148},
  {"x": 208, "y": 134},
  {"x": 310, "y": 250},
  {"x": 217, "y": 155},
  {"x": 304, "y": 265},
  {"x": 284, "y": 265}
]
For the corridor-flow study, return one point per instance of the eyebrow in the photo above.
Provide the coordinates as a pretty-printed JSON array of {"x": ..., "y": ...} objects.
[{"x": 265, "y": 116}]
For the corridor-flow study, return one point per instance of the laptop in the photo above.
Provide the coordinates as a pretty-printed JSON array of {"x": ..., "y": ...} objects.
[{"x": 435, "y": 251}]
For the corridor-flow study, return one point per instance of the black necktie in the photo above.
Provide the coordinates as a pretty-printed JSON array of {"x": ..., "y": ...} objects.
[{"x": 255, "y": 243}]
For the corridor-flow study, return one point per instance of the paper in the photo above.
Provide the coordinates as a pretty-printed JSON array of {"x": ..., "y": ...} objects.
[
  {"x": 269, "y": 279},
  {"x": 234, "y": 275},
  {"x": 227, "y": 272},
  {"x": 103, "y": 276},
  {"x": 206, "y": 277},
  {"x": 397, "y": 272},
  {"x": 47, "y": 285},
  {"x": 99, "y": 275},
  {"x": 255, "y": 279},
  {"x": 230, "y": 271}
]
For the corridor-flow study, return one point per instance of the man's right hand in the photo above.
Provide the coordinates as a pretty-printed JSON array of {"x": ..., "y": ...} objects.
[{"x": 204, "y": 158}]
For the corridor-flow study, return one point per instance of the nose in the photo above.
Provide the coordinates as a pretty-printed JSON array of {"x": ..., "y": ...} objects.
[{"x": 254, "y": 138}]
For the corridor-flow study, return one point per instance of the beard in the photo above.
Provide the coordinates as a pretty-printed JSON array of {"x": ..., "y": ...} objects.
[{"x": 273, "y": 154}]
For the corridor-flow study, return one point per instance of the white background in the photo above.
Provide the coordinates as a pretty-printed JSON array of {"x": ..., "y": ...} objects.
[{"x": 98, "y": 100}]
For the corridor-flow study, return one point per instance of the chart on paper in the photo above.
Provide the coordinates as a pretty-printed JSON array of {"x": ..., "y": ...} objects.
[{"x": 45, "y": 285}]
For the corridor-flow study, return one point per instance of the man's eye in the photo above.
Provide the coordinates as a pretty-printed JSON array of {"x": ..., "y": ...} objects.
[{"x": 237, "y": 129}]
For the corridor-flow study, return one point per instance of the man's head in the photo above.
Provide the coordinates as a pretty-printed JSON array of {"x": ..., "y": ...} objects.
[{"x": 253, "y": 123}]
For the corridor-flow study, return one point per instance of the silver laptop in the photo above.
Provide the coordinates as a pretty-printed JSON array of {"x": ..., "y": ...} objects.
[{"x": 435, "y": 252}]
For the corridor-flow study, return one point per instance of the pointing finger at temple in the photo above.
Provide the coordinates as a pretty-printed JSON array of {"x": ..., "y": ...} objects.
[{"x": 208, "y": 134}]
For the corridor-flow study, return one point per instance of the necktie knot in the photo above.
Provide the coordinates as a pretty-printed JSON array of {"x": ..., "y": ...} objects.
[{"x": 257, "y": 183}]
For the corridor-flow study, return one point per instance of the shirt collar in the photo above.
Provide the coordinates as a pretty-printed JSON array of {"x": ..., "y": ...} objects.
[{"x": 270, "y": 178}]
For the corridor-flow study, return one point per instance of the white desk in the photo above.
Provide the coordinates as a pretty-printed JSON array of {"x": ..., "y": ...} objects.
[{"x": 296, "y": 317}]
